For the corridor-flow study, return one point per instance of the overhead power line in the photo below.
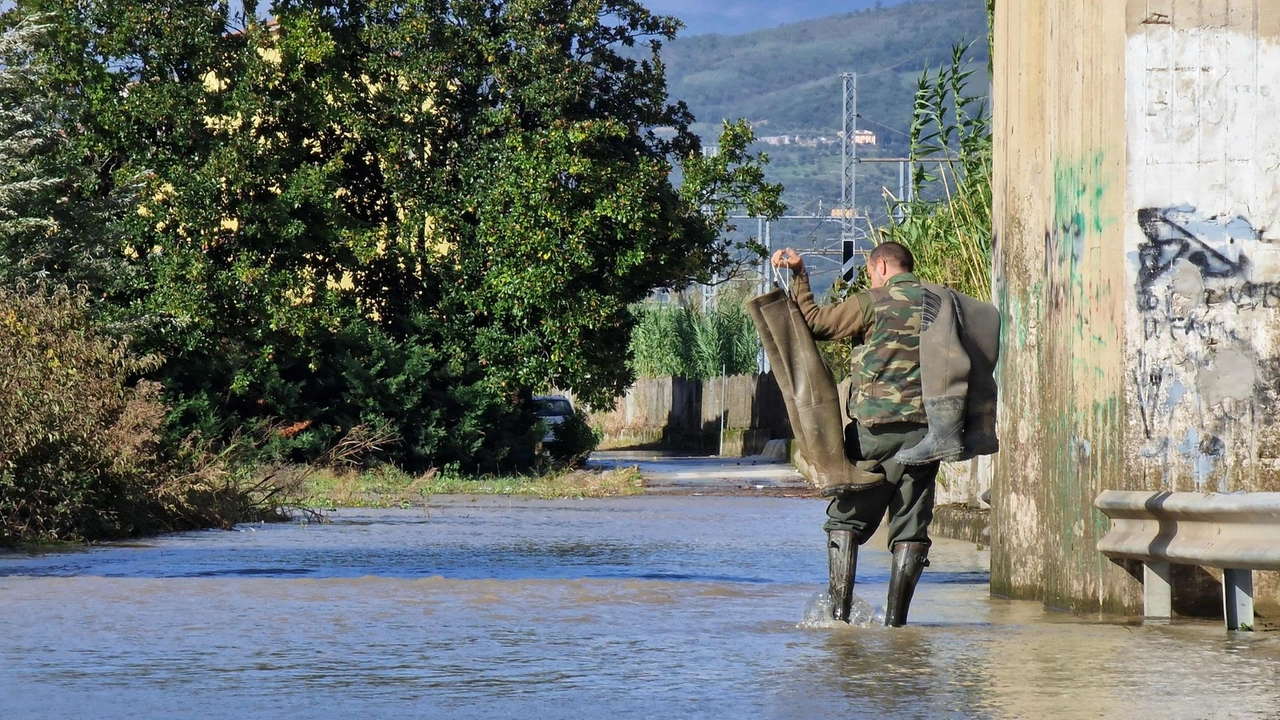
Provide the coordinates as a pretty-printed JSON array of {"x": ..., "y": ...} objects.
[{"x": 880, "y": 124}]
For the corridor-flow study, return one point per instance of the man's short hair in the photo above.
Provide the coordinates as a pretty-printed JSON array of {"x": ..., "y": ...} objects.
[{"x": 895, "y": 254}]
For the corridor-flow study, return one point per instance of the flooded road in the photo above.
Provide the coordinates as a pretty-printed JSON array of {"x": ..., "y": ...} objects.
[{"x": 654, "y": 606}]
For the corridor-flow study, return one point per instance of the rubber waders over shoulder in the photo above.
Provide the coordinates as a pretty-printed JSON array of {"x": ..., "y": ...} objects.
[
  {"x": 781, "y": 371},
  {"x": 944, "y": 378},
  {"x": 809, "y": 392},
  {"x": 980, "y": 327}
]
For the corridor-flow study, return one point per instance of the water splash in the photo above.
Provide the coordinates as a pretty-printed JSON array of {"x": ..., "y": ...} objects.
[{"x": 817, "y": 614}]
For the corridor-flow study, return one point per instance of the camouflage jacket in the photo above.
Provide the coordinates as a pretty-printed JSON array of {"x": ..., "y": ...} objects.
[{"x": 886, "y": 365}]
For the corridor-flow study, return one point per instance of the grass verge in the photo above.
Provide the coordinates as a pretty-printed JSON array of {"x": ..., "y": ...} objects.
[{"x": 392, "y": 488}]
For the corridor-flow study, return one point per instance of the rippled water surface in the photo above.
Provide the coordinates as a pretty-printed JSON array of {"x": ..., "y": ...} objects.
[{"x": 641, "y": 607}]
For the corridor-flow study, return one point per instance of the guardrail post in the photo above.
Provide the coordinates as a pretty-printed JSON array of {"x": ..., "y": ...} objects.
[
  {"x": 1237, "y": 598},
  {"x": 1157, "y": 589}
]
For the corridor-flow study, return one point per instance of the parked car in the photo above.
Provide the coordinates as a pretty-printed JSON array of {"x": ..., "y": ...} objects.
[{"x": 552, "y": 410}]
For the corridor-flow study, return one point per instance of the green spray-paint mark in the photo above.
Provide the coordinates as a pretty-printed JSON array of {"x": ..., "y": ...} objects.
[
  {"x": 1019, "y": 310},
  {"x": 1078, "y": 190},
  {"x": 1082, "y": 454}
]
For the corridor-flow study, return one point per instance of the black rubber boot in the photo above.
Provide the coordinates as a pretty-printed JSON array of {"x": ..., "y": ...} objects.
[
  {"x": 945, "y": 439},
  {"x": 842, "y": 564},
  {"x": 909, "y": 560}
]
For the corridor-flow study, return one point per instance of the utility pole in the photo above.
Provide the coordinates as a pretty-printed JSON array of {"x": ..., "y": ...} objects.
[
  {"x": 849, "y": 176},
  {"x": 764, "y": 262},
  {"x": 766, "y": 265},
  {"x": 902, "y": 192},
  {"x": 709, "y": 292}
]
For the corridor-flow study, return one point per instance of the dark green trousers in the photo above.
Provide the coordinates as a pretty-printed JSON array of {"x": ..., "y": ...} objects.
[{"x": 907, "y": 494}]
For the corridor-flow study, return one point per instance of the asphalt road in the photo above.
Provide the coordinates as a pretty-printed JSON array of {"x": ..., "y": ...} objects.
[{"x": 684, "y": 475}]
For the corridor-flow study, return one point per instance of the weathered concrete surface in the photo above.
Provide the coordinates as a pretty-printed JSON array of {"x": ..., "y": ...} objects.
[
  {"x": 962, "y": 522},
  {"x": 675, "y": 474},
  {"x": 1059, "y": 200},
  {"x": 963, "y": 483},
  {"x": 1201, "y": 261},
  {"x": 650, "y": 409},
  {"x": 681, "y": 414},
  {"x": 1136, "y": 186}
]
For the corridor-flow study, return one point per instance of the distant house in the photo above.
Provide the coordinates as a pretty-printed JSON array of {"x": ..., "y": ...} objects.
[{"x": 863, "y": 137}]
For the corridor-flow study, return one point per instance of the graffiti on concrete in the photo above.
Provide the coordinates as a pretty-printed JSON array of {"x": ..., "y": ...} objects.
[
  {"x": 1178, "y": 234},
  {"x": 1174, "y": 234},
  {"x": 1197, "y": 371}
]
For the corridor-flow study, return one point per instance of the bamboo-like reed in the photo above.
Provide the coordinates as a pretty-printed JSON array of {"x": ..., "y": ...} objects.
[{"x": 947, "y": 223}]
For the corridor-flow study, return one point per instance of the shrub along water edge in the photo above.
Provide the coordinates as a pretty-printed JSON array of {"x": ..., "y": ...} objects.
[{"x": 82, "y": 453}]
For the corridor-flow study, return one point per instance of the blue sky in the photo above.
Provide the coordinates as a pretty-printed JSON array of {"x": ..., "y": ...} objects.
[{"x": 731, "y": 17}]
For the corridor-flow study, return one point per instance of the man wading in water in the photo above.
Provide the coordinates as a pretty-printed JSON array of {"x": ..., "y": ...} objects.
[{"x": 886, "y": 405}]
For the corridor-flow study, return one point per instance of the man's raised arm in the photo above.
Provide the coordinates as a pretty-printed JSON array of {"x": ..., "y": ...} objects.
[{"x": 830, "y": 322}]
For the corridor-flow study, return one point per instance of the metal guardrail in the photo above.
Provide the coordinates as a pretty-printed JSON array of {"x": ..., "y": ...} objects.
[{"x": 1238, "y": 533}]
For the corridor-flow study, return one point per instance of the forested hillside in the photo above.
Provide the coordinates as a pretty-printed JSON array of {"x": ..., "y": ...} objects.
[
  {"x": 732, "y": 17},
  {"x": 786, "y": 82}
]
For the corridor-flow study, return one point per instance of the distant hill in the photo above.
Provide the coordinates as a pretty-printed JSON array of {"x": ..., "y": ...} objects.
[
  {"x": 732, "y": 17},
  {"x": 786, "y": 82}
]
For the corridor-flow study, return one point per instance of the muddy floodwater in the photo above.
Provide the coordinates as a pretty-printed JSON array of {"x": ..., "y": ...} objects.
[{"x": 655, "y": 606}]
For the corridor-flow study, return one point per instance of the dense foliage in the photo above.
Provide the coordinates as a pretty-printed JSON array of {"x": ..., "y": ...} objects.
[
  {"x": 949, "y": 228},
  {"x": 412, "y": 214},
  {"x": 28, "y": 129}
]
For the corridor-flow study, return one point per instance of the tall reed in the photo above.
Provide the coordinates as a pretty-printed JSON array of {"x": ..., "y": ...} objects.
[
  {"x": 689, "y": 340},
  {"x": 947, "y": 221}
]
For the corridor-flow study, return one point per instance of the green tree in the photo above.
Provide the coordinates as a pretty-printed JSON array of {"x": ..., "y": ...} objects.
[
  {"x": 415, "y": 212},
  {"x": 27, "y": 130},
  {"x": 59, "y": 200}
]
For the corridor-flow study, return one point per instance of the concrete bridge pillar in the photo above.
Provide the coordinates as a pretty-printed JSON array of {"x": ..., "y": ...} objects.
[{"x": 1137, "y": 264}]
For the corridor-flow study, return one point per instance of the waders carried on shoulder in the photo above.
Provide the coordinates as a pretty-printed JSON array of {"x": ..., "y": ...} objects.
[{"x": 959, "y": 347}]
